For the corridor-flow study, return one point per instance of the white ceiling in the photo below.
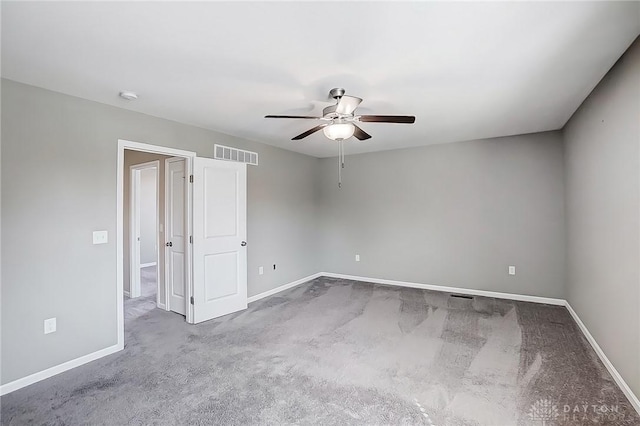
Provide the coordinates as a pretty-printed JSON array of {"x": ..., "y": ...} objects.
[{"x": 465, "y": 70}]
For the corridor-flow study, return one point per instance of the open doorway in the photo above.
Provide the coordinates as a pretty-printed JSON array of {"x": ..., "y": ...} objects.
[
  {"x": 153, "y": 233},
  {"x": 143, "y": 201},
  {"x": 144, "y": 230}
]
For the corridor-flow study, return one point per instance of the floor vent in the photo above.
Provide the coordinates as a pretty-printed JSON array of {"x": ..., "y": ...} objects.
[
  {"x": 221, "y": 152},
  {"x": 460, "y": 296}
]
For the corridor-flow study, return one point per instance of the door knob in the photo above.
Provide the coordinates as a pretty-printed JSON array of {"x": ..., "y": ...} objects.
[
  {"x": 244, "y": 243},
  {"x": 169, "y": 244}
]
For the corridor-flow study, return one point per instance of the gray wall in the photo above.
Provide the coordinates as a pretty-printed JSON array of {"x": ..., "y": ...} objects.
[
  {"x": 59, "y": 157},
  {"x": 131, "y": 158},
  {"x": 453, "y": 214},
  {"x": 603, "y": 214}
]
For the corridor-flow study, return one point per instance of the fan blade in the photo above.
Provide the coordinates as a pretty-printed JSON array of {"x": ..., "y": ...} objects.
[
  {"x": 293, "y": 116},
  {"x": 308, "y": 132},
  {"x": 347, "y": 104},
  {"x": 361, "y": 134},
  {"x": 407, "y": 119}
]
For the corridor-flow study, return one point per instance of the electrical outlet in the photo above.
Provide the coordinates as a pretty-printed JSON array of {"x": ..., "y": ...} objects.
[
  {"x": 357, "y": 258},
  {"x": 260, "y": 270},
  {"x": 512, "y": 270},
  {"x": 100, "y": 237},
  {"x": 49, "y": 325}
]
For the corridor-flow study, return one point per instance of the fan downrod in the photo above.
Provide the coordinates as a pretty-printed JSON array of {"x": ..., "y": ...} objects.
[{"x": 336, "y": 93}]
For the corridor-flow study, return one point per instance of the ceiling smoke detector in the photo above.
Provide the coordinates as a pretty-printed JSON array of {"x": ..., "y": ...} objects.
[{"x": 129, "y": 96}]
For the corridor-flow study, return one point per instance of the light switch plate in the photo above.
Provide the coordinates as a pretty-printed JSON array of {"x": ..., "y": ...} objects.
[
  {"x": 512, "y": 270},
  {"x": 357, "y": 258},
  {"x": 49, "y": 325},
  {"x": 260, "y": 270},
  {"x": 100, "y": 237}
]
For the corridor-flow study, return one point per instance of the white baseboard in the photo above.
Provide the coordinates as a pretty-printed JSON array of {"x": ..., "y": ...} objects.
[
  {"x": 458, "y": 290},
  {"x": 145, "y": 265},
  {"x": 612, "y": 370},
  {"x": 282, "y": 288},
  {"x": 126, "y": 293},
  {"x": 60, "y": 368}
]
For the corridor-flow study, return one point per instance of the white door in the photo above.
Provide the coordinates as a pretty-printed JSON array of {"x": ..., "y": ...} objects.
[
  {"x": 219, "y": 238},
  {"x": 175, "y": 234}
]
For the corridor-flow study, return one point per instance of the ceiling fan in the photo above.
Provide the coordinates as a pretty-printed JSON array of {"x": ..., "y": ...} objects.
[
  {"x": 340, "y": 119},
  {"x": 340, "y": 122}
]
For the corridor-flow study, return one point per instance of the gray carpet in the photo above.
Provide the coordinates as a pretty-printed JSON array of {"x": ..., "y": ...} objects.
[
  {"x": 340, "y": 352},
  {"x": 134, "y": 308}
]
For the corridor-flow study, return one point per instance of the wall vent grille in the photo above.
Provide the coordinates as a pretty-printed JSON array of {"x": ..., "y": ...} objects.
[{"x": 221, "y": 152}]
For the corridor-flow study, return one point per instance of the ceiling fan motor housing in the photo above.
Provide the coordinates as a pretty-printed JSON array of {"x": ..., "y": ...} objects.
[{"x": 330, "y": 111}]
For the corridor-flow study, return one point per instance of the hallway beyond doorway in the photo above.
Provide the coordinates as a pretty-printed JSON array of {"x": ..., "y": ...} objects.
[{"x": 134, "y": 308}]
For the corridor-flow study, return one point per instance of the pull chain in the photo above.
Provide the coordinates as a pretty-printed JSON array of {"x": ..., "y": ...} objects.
[
  {"x": 340, "y": 164},
  {"x": 340, "y": 161}
]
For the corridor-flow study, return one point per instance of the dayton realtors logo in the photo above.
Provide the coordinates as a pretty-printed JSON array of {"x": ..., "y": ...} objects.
[{"x": 545, "y": 412}]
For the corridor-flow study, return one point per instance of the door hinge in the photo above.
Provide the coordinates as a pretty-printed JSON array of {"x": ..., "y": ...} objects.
[
  {"x": 190, "y": 178},
  {"x": 191, "y": 239},
  {"x": 191, "y": 300}
]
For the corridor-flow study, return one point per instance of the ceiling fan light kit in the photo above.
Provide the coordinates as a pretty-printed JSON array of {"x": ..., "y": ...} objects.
[
  {"x": 339, "y": 131},
  {"x": 340, "y": 122}
]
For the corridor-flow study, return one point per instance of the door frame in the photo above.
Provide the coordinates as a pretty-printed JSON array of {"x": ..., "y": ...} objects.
[
  {"x": 134, "y": 227},
  {"x": 155, "y": 149}
]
